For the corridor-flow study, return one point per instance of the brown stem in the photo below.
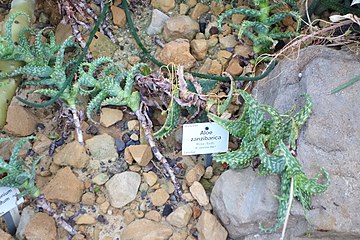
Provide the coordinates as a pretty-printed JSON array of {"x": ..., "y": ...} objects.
[
  {"x": 147, "y": 126},
  {"x": 74, "y": 22}
]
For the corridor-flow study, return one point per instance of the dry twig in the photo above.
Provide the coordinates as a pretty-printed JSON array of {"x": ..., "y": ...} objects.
[{"x": 147, "y": 125}]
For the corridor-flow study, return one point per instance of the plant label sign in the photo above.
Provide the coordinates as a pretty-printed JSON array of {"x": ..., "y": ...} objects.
[
  {"x": 204, "y": 138},
  {"x": 8, "y": 199}
]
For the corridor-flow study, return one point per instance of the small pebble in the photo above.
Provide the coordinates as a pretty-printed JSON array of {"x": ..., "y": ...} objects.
[
  {"x": 120, "y": 145},
  {"x": 30, "y": 152},
  {"x": 59, "y": 142},
  {"x": 132, "y": 142},
  {"x": 148, "y": 167},
  {"x": 135, "y": 168},
  {"x": 102, "y": 219},
  {"x": 167, "y": 210},
  {"x": 172, "y": 162},
  {"x": 139, "y": 214},
  {"x": 100, "y": 179},
  {"x": 92, "y": 130},
  {"x": 214, "y": 30},
  {"x": 40, "y": 126},
  {"x": 125, "y": 137},
  {"x": 134, "y": 137},
  {"x": 177, "y": 170},
  {"x": 194, "y": 232}
]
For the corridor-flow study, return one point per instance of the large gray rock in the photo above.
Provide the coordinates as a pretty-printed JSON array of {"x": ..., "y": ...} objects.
[
  {"x": 245, "y": 202},
  {"x": 242, "y": 200},
  {"x": 330, "y": 139}
]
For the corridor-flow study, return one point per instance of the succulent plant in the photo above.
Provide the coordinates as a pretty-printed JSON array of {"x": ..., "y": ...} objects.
[
  {"x": 17, "y": 174},
  {"x": 259, "y": 26},
  {"x": 271, "y": 136}
]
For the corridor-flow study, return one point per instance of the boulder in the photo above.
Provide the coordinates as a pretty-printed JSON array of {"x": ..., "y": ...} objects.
[{"x": 243, "y": 192}]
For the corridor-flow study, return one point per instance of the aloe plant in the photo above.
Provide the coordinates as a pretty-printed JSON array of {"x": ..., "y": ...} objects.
[
  {"x": 259, "y": 26},
  {"x": 18, "y": 175},
  {"x": 45, "y": 63},
  {"x": 111, "y": 86},
  {"x": 273, "y": 140}
]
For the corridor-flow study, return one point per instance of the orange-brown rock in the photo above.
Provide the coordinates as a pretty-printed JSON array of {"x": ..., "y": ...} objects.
[
  {"x": 177, "y": 52},
  {"x": 73, "y": 155},
  {"x": 180, "y": 27},
  {"x": 234, "y": 68},
  {"x": 199, "y": 10},
  {"x": 20, "y": 121},
  {"x": 215, "y": 68},
  {"x": 110, "y": 116},
  {"x": 199, "y": 48},
  {"x": 216, "y": 8},
  {"x": 223, "y": 56},
  {"x": 163, "y": 5},
  {"x": 210, "y": 228},
  {"x": 4, "y": 235},
  {"x": 119, "y": 18},
  {"x": 41, "y": 226},
  {"x": 64, "y": 187},
  {"x": 142, "y": 154}
]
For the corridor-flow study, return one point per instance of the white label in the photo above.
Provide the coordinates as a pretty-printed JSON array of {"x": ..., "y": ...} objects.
[
  {"x": 8, "y": 199},
  {"x": 203, "y": 138}
]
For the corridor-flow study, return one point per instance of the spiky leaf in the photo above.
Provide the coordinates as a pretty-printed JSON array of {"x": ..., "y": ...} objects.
[{"x": 172, "y": 120}]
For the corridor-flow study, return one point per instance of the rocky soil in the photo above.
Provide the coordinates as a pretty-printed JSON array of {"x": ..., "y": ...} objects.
[{"x": 113, "y": 188}]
